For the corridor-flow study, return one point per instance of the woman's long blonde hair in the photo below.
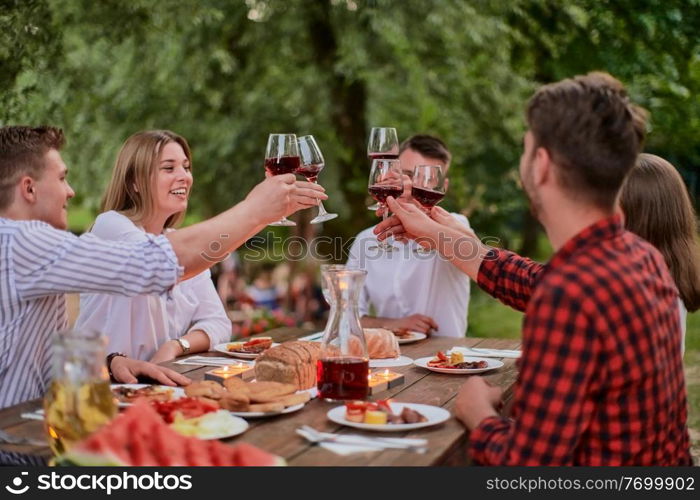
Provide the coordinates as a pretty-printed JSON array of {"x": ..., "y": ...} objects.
[
  {"x": 130, "y": 190},
  {"x": 657, "y": 207}
]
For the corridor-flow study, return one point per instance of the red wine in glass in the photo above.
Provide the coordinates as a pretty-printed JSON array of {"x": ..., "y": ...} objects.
[
  {"x": 310, "y": 171},
  {"x": 282, "y": 165},
  {"x": 380, "y": 193},
  {"x": 426, "y": 197},
  {"x": 343, "y": 378},
  {"x": 382, "y": 156}
]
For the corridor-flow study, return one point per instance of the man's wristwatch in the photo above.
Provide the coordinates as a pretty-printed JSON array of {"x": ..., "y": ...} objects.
[{"x": 185, "y": 344}]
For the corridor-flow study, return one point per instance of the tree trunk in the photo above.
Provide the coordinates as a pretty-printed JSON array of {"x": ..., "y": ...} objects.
[{"x": 348, "y": 114}]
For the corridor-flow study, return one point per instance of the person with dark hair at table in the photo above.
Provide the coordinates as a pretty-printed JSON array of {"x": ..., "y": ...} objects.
[
  {"x": 410, "y": 292},
  {"x": 600, "y": 379},
  {"x": 657, "y": 207},
  {"x": 40, "y": 261}
]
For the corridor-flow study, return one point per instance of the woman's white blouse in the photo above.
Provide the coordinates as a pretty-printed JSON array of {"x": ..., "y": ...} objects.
[{"x": 138, "y": 326}]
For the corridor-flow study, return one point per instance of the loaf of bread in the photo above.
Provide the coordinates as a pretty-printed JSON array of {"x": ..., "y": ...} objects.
[
  {"x": 292, "y": 362},
  {"x": 381, "y": 343}
]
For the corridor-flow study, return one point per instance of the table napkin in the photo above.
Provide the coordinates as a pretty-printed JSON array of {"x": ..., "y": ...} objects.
[
  {"x": 487, "y": 353},
  {"x": 206, "y": 361},
  {"x": 355, "y": 443}
]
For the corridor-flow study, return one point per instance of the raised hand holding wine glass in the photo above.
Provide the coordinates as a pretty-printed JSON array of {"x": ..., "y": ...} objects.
[
  {"x": 428, "y": 188},
  {"x": 282, "y": 157},
  {"x": 383, "y": 144},
  {"x": 311, "y": 164},
  {"x": 385, "y": 179}
]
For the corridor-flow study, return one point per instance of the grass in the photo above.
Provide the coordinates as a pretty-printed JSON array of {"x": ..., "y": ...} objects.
[{"x": 489, "y": 318}]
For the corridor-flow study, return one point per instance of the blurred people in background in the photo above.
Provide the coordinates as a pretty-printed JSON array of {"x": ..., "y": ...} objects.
[
  {"x": 262, "y": 292},
  {"x": 230, "y": 283},
  {"x": 148, "y": 194},
  {"x": 409, "y": 292},
  {"x": 657, "y": 207}
]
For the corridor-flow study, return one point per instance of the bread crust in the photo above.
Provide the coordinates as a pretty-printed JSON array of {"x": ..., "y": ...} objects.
[{"x": 290, "y": 363}]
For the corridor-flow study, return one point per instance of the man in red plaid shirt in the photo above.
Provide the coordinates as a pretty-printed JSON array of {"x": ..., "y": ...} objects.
[{"x": 601, "y": 376}]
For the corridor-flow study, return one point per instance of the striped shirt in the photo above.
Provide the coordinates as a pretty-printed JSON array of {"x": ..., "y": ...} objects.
[{"x": 38, "y": 264}]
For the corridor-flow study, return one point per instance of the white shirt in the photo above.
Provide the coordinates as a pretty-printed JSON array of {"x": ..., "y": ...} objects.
[
  {"x": 38, "y": 264},
  {"x": 138, "y": 326},
  {"x": 401, "y": 283}
]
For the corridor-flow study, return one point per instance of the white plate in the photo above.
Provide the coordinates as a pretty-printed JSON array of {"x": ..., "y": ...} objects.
[
  {"x": 178, "y": 392},
  {"x": 492, "y": 365},
  {"x": 434, "y": 414},
  {"x": 411, "y": 337},
  {"x": 389, "y": 362},
  {"x": 242, "y": 355},
  {"x": 261, "y": 414},
  {"x": 237, "y": 426}
]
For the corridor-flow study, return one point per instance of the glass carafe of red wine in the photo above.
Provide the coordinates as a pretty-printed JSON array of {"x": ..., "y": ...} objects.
[{"x": 343, "y": 366}]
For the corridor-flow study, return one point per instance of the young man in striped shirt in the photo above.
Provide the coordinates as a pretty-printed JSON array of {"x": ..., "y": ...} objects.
[
  {"x": 600, "y": 379},
  {"x": 40, "y": 261}
]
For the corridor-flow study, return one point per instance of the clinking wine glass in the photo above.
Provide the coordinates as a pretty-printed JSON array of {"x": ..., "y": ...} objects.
[
  {"x": 383, "y": 144},
  {"x": 385, "y": 179},
  {"x": 428, "y": 188},
  {"x": 311, "y": 164},
  {"x": 282, "y": 157}
]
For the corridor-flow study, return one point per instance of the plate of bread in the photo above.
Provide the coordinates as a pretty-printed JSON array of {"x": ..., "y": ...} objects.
[
  {"x": 246, "y": 350},
  {"x": 250, "y": 399}
]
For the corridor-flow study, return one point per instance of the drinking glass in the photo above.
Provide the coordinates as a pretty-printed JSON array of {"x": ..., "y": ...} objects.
[
  {"x": 385, "y": 179},
  {"x": 79, "y": 400},
  {"x": 383, "y": 144},
  {"x": 428, "y": 188},
  {"x": 311, "y": 165},
  {"x": 282, "y": 157}
]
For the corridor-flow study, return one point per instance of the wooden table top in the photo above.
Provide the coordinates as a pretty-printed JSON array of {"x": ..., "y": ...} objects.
[{"x": 447, "y": 442}]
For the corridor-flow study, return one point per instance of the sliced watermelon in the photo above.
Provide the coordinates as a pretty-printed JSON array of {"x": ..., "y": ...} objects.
[{"x": 139, "y": 436}]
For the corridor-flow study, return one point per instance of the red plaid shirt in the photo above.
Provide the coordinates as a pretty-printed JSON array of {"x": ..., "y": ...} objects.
[{"x": 601, "y": 376}]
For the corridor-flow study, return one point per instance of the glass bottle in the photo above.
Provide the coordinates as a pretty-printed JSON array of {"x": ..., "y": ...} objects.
[
  {"x": 79, "y": 400},
  {"x": 343, "y": 366}
]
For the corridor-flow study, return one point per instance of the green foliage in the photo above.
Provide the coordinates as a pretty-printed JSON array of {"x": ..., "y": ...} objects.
[{"x": 225, "y": 74}]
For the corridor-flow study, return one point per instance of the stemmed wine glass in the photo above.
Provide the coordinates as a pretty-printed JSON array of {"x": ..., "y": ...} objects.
[
  {"x": 428, "y": 188},
  {"x": 311, "y": 165},
  {"x": 282, "y": 157},
  {"x": 383, "y": 144},
  {"x": 385, "y": 179}
]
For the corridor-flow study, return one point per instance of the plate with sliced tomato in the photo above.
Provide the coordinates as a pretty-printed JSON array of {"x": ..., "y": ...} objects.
[
  {"x": 250, "y": 349},
  {"x": 199, "y": 418},
  {"x": 456, "y": 363}
]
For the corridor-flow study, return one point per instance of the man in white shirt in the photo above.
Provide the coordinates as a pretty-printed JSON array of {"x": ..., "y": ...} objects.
[
  {"x": 40, "y": 262},
  {"x": 409, "y": 291}
]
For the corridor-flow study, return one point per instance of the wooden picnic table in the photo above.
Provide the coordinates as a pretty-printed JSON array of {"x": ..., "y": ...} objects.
[{"x": 447, "y": 442}]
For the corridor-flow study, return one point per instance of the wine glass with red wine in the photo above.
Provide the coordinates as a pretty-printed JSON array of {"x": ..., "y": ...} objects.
[
  {"x": 385, "y": 179},
  {"x": 311, "y": 165},
  {"x": 383, "y": 144},
  {"x": 428, "y": 188},
  {"x": 282, "y": 157}
]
